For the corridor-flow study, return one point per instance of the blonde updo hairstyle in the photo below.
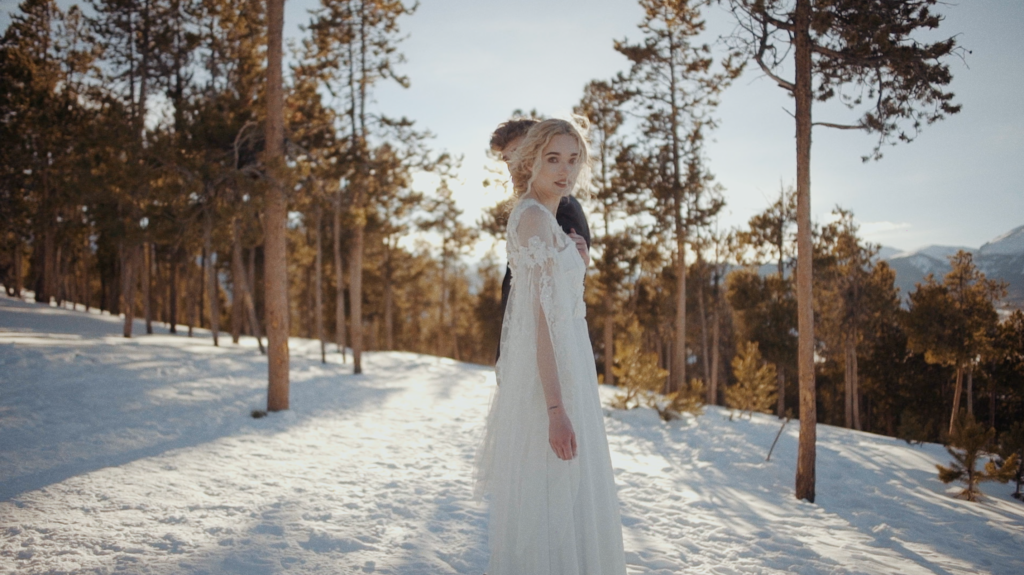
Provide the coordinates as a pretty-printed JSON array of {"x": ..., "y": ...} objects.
[{"x": 528, "y": 156}]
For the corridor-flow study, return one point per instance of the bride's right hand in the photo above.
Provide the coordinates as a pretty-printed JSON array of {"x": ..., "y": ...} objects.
[{"x": 560, "y": 434}]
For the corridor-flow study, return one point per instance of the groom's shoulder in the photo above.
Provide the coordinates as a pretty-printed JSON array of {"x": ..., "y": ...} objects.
[
  {"x": 571, "y": 208},
  {"x": 570, "y": 216}
]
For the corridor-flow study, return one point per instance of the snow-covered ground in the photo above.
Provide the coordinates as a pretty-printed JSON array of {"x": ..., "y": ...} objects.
[{"x": 140, "y": 456}]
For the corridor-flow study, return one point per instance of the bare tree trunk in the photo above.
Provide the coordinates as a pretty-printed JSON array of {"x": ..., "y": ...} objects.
[
  {"x": 339, "y": 282},
  {"x": 210, "y": 272},
  {"x": 172, "y": 296},
  {"x": 848, "y": 352},
  {"x": 453, "y": 294},
  {"x": 970, "y": 390},
  {"x": 201, "y": 280},
  {"x": 780, "y": 393},
  {"x": 275, "y": 218},
  {"x": 705, "y": 360},
  {"x": 956, "y": 396},
  {"x": 716, "y": 344},
  {"x": 147, "y": 303},
  {"x": 237, "y": 283},
  {"x": 439, "y": 347},
  {"x": 192, "y": 302},
  {"x": 855, "y": 385},
  {"x": 991, "y": 402},
  {"x": 609, "y": 336},
  {"x": 86, "y": 287},
  {"x": 128, "y": 266},
  {"x": 806, "y": 451},
  {"x": 19, "y": 272},
  {"x": 49, "y": 268},
  {"x": 355, "y": 297},
  {"x": 389, "y": 305},
  {"x": 677, "y": 377},
  {"x": 238, "y": 271},
  {"x": 320, "y": 285}
]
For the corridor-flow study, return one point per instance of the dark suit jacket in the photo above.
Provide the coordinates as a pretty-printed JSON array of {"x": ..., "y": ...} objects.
[{"x": 570, "y": 217}]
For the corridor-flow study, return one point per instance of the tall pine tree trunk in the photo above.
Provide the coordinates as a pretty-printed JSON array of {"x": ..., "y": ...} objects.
[
  {"x": 48, "y": 283},
  {"x": 210, "y": 273},
  {"x": 389, "y": 301},
  {"x": 848, "y": 353},
  {"x": 956, "y": 395},
  {"x": 172, "y": 296},
  {"x": 128, "y": 266},
  {"x": 238, "y": 282},
  {"x": 780, "y": 392},
  {"x": 716, "y": 345},
  {"x": 970, "y": 390},
  {"x": 147, "y": 293},
  {"x": 678, "y": 363},
  {"x": 275, "y": 249},
  {"x": 191, "y": 297},
  {"x": 320, "y": 285},
  {"x": 806, "y": 450},
  {"x": 453, "y": 294},
  {"x": 19, "y": 272},
  {"x": 705, "y": 360},
  {"x": 339, "y": 282},
  {"x": 355, "y": 296},
  {"x": 855, "y": 385},
  {"x": 238, "y": 271}
]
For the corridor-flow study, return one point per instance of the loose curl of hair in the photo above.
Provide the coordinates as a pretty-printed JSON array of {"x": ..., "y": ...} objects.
[{"x": 527, "y": 158}]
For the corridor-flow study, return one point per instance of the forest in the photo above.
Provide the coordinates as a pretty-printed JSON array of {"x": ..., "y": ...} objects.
[{"x": 134, "y": 178}]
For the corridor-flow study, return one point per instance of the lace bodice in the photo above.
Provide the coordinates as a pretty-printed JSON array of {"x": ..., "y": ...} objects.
[{"x": 536, "y": 244}]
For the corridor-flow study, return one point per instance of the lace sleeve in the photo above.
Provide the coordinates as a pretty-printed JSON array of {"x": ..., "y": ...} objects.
[{"x": 537, "y": 252}]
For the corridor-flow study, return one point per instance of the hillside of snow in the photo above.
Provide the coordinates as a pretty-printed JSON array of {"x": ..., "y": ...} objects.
[{"x": 140, "y": 456}]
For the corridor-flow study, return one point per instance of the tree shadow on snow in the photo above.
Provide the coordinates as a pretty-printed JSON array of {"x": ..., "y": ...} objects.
[{"x": 78, "y": 397}]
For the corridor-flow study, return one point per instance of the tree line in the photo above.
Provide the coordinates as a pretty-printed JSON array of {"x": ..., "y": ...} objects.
[
  {"x": 135, "y": 177},
  {"x": 146, "y": 171}
]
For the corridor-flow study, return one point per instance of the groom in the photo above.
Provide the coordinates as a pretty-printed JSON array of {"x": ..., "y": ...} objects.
[{"x": 505, "y": 139}]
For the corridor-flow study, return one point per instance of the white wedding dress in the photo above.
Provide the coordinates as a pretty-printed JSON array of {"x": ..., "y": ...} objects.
[{"x": 548, "y": 516}]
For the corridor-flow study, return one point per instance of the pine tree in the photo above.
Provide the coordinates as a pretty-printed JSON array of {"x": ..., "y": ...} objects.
[
  {"x": 870, "y": 47},
  {"x": 674, "y": 86},
  {"x": 949, "y": 322},
  {"x": 636, "y": 369},
  {"x": 754, "y": 389},
  {"x": 772, "y": 237},
  {"x": 966, "y": 444},
  {"x": 1011, "y": 444},
  {"x": 601, "y": 104}
]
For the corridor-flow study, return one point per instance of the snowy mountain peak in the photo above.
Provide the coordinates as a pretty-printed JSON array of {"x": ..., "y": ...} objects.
[
  {"x": 940, "y": 253},
  {"x": 1009, "y": 244}
]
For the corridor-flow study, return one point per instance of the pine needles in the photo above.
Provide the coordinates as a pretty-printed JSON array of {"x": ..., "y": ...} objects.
[{"x": 966, "y": 445}]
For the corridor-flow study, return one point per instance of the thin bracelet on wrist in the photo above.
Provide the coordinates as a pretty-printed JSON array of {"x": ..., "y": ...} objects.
[{"x": 554, "y": 407}]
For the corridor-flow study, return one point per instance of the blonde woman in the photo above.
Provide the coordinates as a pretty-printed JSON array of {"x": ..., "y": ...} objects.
[{"x": 544, "y": 460}]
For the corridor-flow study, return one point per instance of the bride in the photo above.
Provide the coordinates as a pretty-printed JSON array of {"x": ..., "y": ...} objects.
[{"x": 544, "y": 460}]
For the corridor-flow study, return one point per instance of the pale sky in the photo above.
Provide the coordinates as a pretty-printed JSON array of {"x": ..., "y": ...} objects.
[{"x": 471, "y": 62}]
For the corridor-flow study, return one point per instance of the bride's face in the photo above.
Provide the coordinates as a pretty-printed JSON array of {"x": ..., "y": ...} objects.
[{"x": 557, "y": 168}]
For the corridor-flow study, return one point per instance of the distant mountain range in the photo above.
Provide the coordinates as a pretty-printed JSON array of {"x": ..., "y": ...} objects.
[{"x": 999, "y": 259}]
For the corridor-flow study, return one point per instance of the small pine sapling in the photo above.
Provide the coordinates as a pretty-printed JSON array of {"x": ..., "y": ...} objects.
[
  {"x": 755, "y": 382},
  {"x": 966, "y": 444},
  {"x": 687, "y": 400},
  {"x": 1011, "y": 444},
  {"x": 636, "y": 371}
]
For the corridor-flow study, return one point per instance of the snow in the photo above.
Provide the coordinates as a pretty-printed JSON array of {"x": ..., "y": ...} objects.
[
  {"x": 940, "y": 253},
  {"x": 1009, "y": 244},
  {"x": 139, "y": 456}
]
